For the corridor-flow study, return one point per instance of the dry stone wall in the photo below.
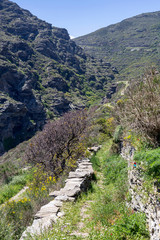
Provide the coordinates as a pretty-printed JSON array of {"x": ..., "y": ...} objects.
[
  {"x": 141, "y": 200},
  {"x": 78, "y": 181}
]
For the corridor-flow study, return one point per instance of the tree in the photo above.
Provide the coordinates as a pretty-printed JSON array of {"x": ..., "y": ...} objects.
[{"x": 60, "y": 144}]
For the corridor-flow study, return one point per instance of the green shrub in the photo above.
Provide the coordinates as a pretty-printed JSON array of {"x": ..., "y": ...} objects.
[
  {"x": 8, "y": 191},
  {"x": 115, "y": 168},
  {"x": 19, "y": 180},
  {"x": 15, "y": 185},
  {"x": 6, "y": 228},
  {"x": 131, "y": 226},
  {"x": 151, "y": 160},
  {"x": 16, "y": 216},
  {"x": 118, "y": 134},
  {"x": 7, "y": 171},
  {"x": 115, "y": 148},
  {"x": 95, "y": 162}
]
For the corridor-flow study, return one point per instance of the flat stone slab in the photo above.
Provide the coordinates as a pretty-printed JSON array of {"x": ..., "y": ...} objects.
[
  {"x": 65, "y": 198},
  {"x": 39, "y": 226},
  {"x": 57, "y": 203},
  {"x": 90, "y": 171},
  {"x": 73, "y": 192},
  {"x": 86, "y": 163},
  {"x": 70, "y": 191},
  {"x": 46, "y": 211},
  {"x": 76, "y": 180},
  {"x": 77, "y": 175},
  {"x": 86, "y": 168},
  {"x": 54, "y": 194},
  {"x": 72, "y": 184}
]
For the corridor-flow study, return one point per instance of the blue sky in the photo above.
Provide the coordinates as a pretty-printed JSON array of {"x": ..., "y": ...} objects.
[{"x": 81, "y": 17}]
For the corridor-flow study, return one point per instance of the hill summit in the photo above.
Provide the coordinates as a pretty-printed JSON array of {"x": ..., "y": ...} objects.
[{"x": 130, "y": 45}]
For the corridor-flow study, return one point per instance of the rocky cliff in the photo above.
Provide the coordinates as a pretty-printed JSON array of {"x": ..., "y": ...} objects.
[{"x": 42, "y": 74}]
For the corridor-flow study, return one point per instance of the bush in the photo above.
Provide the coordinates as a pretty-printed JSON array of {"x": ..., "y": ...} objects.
[
  {"x": 139, "y": 109},
  {"x": 6, "y": 228},
  {"x": 39, "y": 187},
  {"x": 151, "y": 161},
  {"x": 7, "y": 191},
  {"x": 7, "y": 171},
  {"x": 60, "y": 144},
  {"x": 16, "y": 216},
  {"x": 118, "y": 134},
  {"x": 132, "y": 226},
  {"x": 19, "y": 180},
  {"x": 95, "y": 162},
  {"x": 115, "y": 168}
]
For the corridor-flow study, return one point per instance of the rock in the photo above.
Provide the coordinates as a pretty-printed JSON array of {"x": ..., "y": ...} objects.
[
  {"x": 73, "y": 175},
  {"x": 39, "y": 226},
  {"x": 75, "y": 180},
  {"x": 72, "y": 192},
  {"x": 80, "y": 170},
  {"x": 60, "y": 214},
  {"x": 94, "y": 149},
  {"x": 64, "y": 198},
  {"x": 39, "y": 67},
  {"x": 57, "y": 203},
  {"x": 46, "y": 211},
  {"x": 139, "y": 202},
  {"x": 51, "y": 211}
]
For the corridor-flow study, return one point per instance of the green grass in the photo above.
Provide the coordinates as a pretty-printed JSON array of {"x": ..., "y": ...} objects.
[
  {"x": 106, "y": 215},
  {"x": 151, "y": 162},
  {"x": 7, "y": 191}
]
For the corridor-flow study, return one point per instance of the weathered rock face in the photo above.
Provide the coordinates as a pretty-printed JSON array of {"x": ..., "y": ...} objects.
[
  {"x": 141, "y": 200},
  {"x": 42, "y": 73}
]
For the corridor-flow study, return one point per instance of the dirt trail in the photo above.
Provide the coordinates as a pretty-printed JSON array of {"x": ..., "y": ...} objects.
[{"x": 84, "y": 216}]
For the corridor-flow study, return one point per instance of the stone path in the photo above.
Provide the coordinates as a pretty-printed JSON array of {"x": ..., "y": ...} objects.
[
  {"x": 84, "y": 216},
  {"x": 77, "y": 182},
  {"x": 16, "y": 197},
  {"x": 81, "y": 224}
]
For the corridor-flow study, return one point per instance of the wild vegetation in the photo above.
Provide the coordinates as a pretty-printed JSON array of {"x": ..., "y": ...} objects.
[
  {"x": 105, "y": 215},
  {"x": 130, "y": 45},
  {"x": 60, "y": 143},
  {"x": 51, "y": 82},
  {"x": 138, "y": 110},
  {"x": 51, "y": 154}
]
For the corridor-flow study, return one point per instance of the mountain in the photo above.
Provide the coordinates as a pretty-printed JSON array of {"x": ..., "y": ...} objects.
[
  {"x": 42, "y": 74},
  {"x": 130, "y": 45}
]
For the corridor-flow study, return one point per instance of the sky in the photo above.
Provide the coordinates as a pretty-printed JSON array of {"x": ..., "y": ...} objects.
[{"x": 81, "y": 17}]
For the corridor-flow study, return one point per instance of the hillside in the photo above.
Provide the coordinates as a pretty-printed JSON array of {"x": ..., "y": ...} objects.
[
  {"x": 130, "y": 45},
  {"x": 42, "y": 74}
]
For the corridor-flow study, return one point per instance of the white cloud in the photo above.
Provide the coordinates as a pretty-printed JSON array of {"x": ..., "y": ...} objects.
[{"x": 71, "y": 37}]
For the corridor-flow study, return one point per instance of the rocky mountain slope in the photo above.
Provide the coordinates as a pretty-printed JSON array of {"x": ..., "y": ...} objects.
[
  {"x": 42, "y": 74},
  {"x": 130, "y": 45}
]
